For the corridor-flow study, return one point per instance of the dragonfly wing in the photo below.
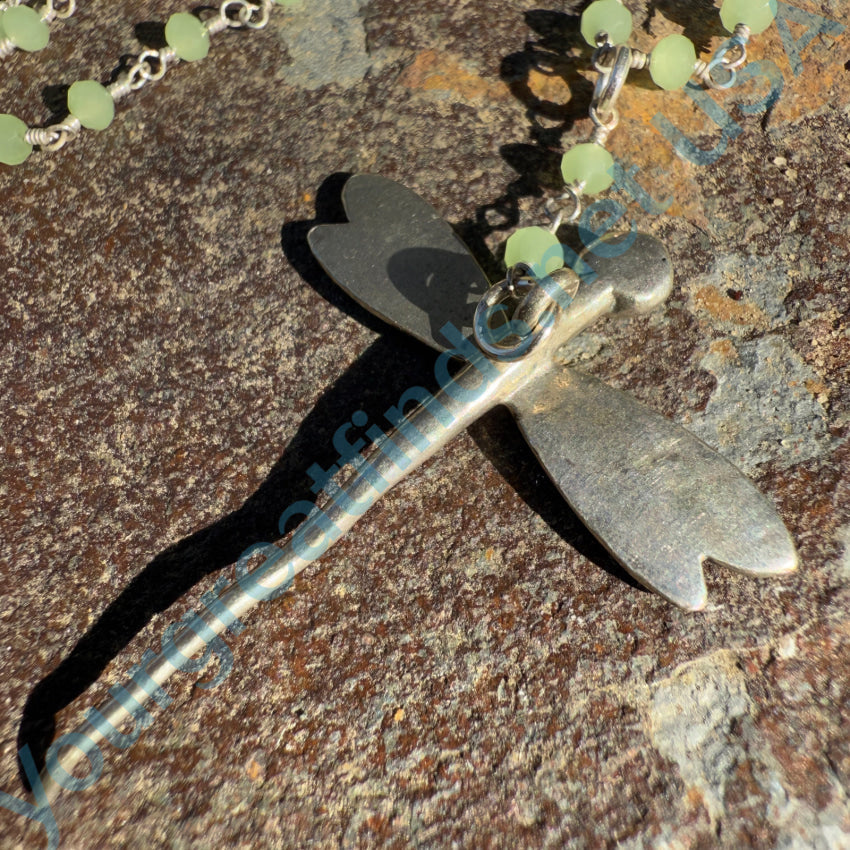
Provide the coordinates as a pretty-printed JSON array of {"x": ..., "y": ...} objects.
[
  {"x": 400, "y": 260},
  {"x": 658, "y": 498}
]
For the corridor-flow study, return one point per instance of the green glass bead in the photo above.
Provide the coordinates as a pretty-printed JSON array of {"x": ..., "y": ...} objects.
[
  {"x": 589, "y": 163},
  {"x": 609, "y": 16},
  {"x": 14, "y": 148},
  {"x": 91, "y": 104},
  {"x": 187, "y": 36},
  {"x": 537, "y": 248},
  {"x": 25, "y": 29},
  {"x": 758, "y": 15},
  {"x": 672, "y": 62}
]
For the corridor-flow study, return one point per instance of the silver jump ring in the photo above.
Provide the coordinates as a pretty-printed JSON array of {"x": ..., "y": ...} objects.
[
  {"x": 611, "y": 80},
  {"x": 739, "y": 44},
  {"x": 493, "y": 301},
  {"x": 158, "y": 58},
  {"x": 610, "y": 124},
  {"x": 245, "y": 11},
  {"x": 554, "y": 207}
]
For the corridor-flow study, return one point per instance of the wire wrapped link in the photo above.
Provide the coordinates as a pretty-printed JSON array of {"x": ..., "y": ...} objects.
[
  {"x": 730, "y": 57},
  {"x": 55, "y": 136},
  {"x": 556, "y": 208},
  {"x": 150, "y": 66},
  {"x": 613, "y": 65},
  {"x": 239, "y": 14}
]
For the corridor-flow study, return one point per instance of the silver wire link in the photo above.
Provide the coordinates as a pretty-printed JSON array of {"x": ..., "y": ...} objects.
[
  {"x": 556, "y": 208},
  {"x": 245, "y": 12},
  {"x": 730, "y": 57},
  {"x": 613, "y": 64},
  {"x": 150, "y": 66},
  {"x": 56, "y": 135}
]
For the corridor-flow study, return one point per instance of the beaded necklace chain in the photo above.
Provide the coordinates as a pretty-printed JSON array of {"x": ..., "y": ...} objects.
[
  {"x": 90, "y": 104},
  {"x": 588, "y": 168}
]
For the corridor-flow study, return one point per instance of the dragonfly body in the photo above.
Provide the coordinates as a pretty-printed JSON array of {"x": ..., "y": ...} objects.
[{"x": 657, "y": 497}]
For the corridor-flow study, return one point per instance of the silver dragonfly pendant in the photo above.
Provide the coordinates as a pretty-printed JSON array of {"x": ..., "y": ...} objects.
[{"x": 658, "y": 498}]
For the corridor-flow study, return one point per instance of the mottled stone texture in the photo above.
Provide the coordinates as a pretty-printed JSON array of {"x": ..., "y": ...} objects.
[{"x": 468, "y": 669}]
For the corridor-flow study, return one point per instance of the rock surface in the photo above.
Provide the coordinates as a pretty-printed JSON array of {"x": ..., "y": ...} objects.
[{"x": 468, "y": 668}]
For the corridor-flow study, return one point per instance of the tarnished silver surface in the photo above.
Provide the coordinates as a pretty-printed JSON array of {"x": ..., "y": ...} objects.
[
  {"x": 657, "y": 497},
  {"x": 400, "y": 260}
]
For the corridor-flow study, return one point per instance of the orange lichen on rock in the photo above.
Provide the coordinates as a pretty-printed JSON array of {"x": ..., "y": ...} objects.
[
  {"x": 433, "y": 70},
  {"x": 727, "y": 309}
]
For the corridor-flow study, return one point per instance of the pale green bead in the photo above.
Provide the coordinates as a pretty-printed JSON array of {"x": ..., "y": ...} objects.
[
  {"x": 672, "y": 62},
  {"x": 537, "y": 248},
  {"x": 758, "y": 15},
  {"x": 591, "y": 164},
  {"x": 609, "y": 16},
  {"x": 14, "y": 148},
  {"x": 92, "y": 104},
  {"x": 25, "y": 29},
  {"x": 188, "y": 36}
]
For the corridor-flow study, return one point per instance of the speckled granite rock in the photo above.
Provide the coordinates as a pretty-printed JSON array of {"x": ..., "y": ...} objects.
[{"x": 468, "y": 669}]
